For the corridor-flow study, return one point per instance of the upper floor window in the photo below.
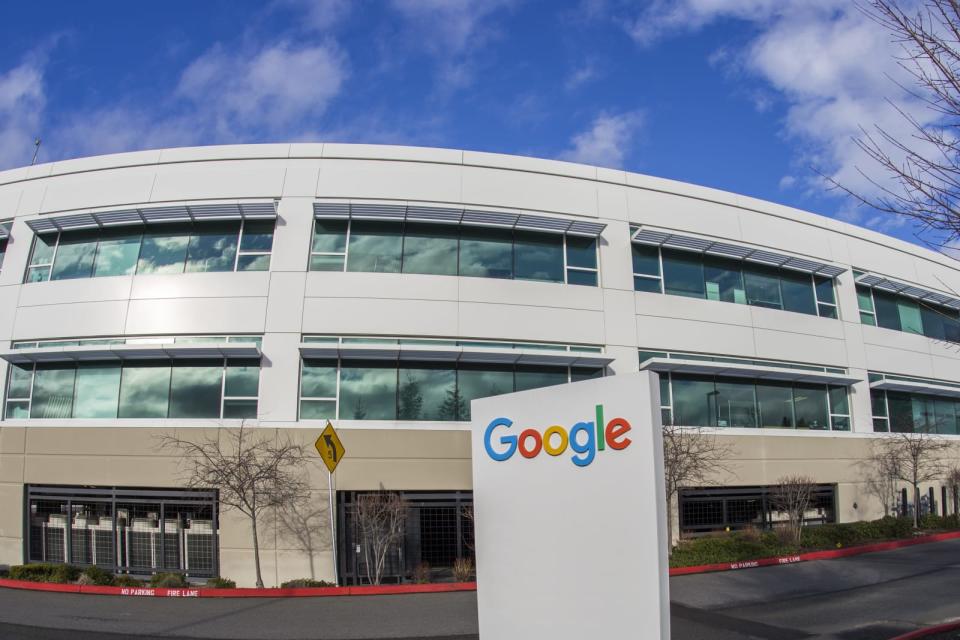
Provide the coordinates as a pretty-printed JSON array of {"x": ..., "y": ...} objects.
[
  {"x": 892, "y": 311},
  {"x": 696, "y": 275},
  {"x": 200, "y": 389},
  {"x": 716, "y": 401},
  {"x": 4, "y": 234},
  {"x": 161, "y": 249},
  {"x": 414, "y": 247},
  {"x": 902, "y": 412}
]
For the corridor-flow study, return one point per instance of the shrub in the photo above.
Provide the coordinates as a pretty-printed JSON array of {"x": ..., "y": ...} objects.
[
  {"x": 221, "y": 583},
  {"x": 45, "y": 572},
  {"x": 301, "y": 583},
  {"x": 729, "y": 548},
  {"x": 421, "y": 573},
  {"x": 127, "y": 581},
  {"x": 97, "y": 576},
  {"x": 931, "y": 521},
  {"x": 462, "y": 569},
  {"x": 169, "y": 580}
]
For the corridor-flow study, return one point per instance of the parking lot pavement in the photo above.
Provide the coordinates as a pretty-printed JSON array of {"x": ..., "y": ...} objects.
[{"x": 869, "y": 597}]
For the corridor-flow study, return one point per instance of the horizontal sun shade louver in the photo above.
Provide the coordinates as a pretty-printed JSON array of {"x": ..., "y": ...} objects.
[
  {"x": 422, "y": 353},
  {"x": 745, "y": 370},
  {"x": 127, "y": 352},
  {"x": 155, "y": 215},
  {"x": 655, "y": 238},
  {"x": 909, "y": 290},
  {"x": 454, "y": 215}
]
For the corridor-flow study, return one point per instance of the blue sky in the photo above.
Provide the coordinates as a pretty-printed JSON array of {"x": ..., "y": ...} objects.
[{"x": 748, "y": 96}]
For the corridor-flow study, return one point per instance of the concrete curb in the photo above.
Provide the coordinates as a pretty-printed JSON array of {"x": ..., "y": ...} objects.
[
  {"x": 929, "y": 631},
  {"x": 300, "y": 592},
  {"x": 828, "y": 554}
]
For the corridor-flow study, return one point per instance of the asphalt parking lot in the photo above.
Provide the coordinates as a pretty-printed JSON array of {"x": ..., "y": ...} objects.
[{"x": 873, "y": 596}]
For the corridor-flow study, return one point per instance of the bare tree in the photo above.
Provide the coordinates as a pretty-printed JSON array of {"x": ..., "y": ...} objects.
[
  {"x": 302, "y": 521},
  {"x": 881, "y": 476},
  {"x": 381, "y": 519},
  {"x": 918, "y": 457},
  {"x": 924, "y": 168},
  {"x": 253, "y": 472},
  {"x": 692, "y": 457},
  {"x": 792, "y": 496}
]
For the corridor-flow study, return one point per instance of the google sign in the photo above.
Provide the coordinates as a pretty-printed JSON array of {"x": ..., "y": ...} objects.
[{"x": 583, "y": 438}]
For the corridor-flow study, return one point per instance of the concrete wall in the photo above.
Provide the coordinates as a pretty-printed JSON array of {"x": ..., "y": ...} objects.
[{"x": 288, "y": 301}]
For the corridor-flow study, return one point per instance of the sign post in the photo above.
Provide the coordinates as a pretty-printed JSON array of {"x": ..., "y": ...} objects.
[
  {"x": 331, "y": 451},
  {"x": 570, "y": 511}
]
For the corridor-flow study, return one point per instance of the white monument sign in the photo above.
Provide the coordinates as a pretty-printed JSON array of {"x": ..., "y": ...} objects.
[{"x": 569, "y": 501}]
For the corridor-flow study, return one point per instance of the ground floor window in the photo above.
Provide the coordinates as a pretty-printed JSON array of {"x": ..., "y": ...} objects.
[
  {"x": 137, "y": 531},
  {"x": 437, "y": 530},
  {"x": 705, "y": 509}
]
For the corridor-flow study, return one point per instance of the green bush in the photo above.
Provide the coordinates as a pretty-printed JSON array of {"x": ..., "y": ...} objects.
[
  {"x": 98, "y": 576},
  {"x": 300, "y": 583},
  {"x": 127, "y": 581},
  {"x": 935, "y": 522},
  {"x": 221, "y": 583},
  {"x": 169, "y": 580},
  {"x": 45, "y": 572},
  {"x": 728, "y": 548}
]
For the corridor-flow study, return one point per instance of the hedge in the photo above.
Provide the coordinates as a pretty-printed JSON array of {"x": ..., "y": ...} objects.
[{"x": 751, "y": 544}]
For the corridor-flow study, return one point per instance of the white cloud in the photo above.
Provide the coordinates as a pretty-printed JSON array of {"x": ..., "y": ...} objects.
[
  {"x": 273, "y": 89},
  {"x": 22, "y": 100},
  {"x": 829, "y": 62},
  {"x": 581, "y": 75},
  {"x": 318, "y": 15},
  {"x": 606, "y": 142}
]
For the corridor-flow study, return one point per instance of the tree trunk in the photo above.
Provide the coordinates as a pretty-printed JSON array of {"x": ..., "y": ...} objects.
[
  {"x": 916, "y": 506},
  {"x": 669, "y": 526},
  {"x": 256, "y": 550}
]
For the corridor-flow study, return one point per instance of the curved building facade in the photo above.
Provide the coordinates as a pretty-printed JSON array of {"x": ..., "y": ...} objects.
[{"x": 275, "y": 287}]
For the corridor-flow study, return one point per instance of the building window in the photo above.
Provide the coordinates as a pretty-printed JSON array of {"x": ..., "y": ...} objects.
[
  {"x": 378, "y": 390},
  {"x": 201, "y": 389},
  {"x": 4, "y": 233},
  {"x": 715, "y": 401},
  {"x": 901, "y": 412},
  {"x": 706, "y": 509},
  {"x": 124, "y": 530},
  {"x": 436, "y": 249},
  {"x": 865, "y": 303},
  {"x": 438, "y": 529},
  {"x": 164, "y": 249},
  {"x": 694, "y": 275}
]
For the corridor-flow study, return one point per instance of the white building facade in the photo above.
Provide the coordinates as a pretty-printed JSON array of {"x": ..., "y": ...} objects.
[{"x": 277, "y": 286}]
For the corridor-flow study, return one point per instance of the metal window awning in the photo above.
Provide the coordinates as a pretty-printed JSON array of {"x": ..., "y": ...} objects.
[
  {"x": 156, "y": 215},
  {"x": 456, "y": 216},
  {"x": 903, "y": 289},
  {"x": 125, "y": 352},
  {"x": 654, "y": 238},
  {"x": 421, "y": 353},
  {"x": 745, "y": 370},
  {"x": 909, "y": 386}
]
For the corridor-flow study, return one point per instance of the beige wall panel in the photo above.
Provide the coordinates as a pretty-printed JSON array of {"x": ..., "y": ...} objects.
[
  {"x": 870, "y": 256},
  {"x": 11, "y": 551},
  {"x": 8, "y": 310},
  {"x": 295, "y": 564},
  {"x": 710, "y": 311},
  {"x": 612, "y": 198},
  {"x": 117, "y": 441},
  {"x": 799, "y": 347},
  {"x": 408, "y": 443},
  {"x": 790, "y": 323},
  {"x": 798, "y": 239},
  {"x": 616, "y": 261},
  {"x": 106, "y": 188},
  {"x": 218, "y": 180},
  {"x": 237, "y": 564},
  {"x": 293, "y": 235},
  {"x": 620, "y": 326},
  {"x": 11, "y": 506},
  {"x": 11, "y": 467},
  {"x": 529, "y": 191},
  {"x": 377, "y": 179},
  {"x": 129, "y": 471},
  {"x": 285, "y": 306},
  {"x": 12, "y": 439},
  {"x": 31, "y": 198},
  {"x": 280, "y": 377},
  {"x": 197, "y": 315},
  {"x": 408, "y": 474},
  {"x": 67, "y": 320},
  {"x": 892, "y": 360}
]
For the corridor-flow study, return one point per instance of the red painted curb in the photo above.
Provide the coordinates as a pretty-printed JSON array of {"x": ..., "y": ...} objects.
[
  {"x": 299, "y": 592},
  {"x": 827, "y": 554},
  {"x": 929, "y": 631}
]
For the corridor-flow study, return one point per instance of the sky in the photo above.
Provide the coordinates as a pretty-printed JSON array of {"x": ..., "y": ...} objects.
[{"x": 757, "y": 97}]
